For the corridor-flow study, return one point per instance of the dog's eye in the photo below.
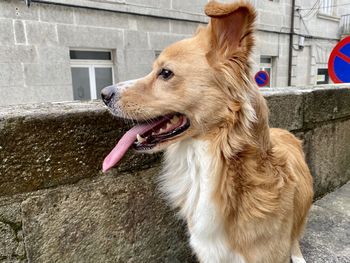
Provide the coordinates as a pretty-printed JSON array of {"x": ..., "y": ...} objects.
[{"x": 166, "y": 74}]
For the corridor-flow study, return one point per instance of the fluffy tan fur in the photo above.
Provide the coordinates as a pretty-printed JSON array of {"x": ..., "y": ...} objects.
[{"x": 263, "y": 185}]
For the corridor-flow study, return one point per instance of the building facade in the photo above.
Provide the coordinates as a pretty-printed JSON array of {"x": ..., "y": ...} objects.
[{"x": 62, "y": 50}]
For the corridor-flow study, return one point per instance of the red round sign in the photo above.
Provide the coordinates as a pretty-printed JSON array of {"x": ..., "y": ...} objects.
[
  {"x": 262, "y": 78},
  {"x": 339, "y": 62}
]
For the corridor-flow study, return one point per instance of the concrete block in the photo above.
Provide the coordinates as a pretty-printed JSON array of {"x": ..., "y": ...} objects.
[
  {"x": 162, "y": 4},
  {"x": 20, "y": 35},
  {"x": 326, "y": 237},
  {"x": 11, "y": 74},
  {"x": 53, "y": 54},
  {"x": 151, "y": 24},
  {"x": 121, "y": 67},
  {"x": 15, "y": 95},
  {"x": 7, "y": 36},
  {"x": 35, "y": 94},
  {"x": 47, "y": 74},
  {"x": 90, "y": 17},
  {"x": 16, "y": 9},
  {"x": 8, "y": 242},
  {"x": 17, "y": 54},
  {"x": 270, "y": 17},
  {"x": 195, "y": 6},
  {"x": 139, "y": 63},
  {"x": 323, "y": 104},
  {"x": 338, "y": 201},
  {"x": 286, "y": 110},
  {"x": 184, "y": 28},
  {"x": 159, "y": 41},
  {"x": 40, "y": 33},
  {"x": 112, "y": 219},
  {"x": 90, "y": 37},
  {"x": 48, "y": 93},
  {"x": 135, "y": 40},
  {"x": 328, "y": 156},
  {"x": 11, "y": 244},
  {"x": 58, "y": 144},
  {"x": 56, "y": 14}
]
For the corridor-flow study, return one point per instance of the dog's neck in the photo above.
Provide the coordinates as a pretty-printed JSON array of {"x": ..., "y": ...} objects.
[{"x": 218, "y": 159}]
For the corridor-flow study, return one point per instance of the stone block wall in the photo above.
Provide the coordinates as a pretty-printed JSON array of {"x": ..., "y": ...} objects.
[{"x": 57, "y": 206}]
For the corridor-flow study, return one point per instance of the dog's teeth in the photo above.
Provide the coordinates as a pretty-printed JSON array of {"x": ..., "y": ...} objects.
[
  {"x": 140, "y": 139},
  {"x": 174, "y": 120},
  {"x": 168, "y": 125},
  {"x": 153, "y": 133},
  {"x": 161, "y": 130}
]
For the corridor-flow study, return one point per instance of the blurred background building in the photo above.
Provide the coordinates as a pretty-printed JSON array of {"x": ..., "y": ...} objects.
[{"x": 61, "y": 50}]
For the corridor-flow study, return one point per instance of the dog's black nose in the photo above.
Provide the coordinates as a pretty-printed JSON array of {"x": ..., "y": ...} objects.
[{"x": 107, "y": 94}]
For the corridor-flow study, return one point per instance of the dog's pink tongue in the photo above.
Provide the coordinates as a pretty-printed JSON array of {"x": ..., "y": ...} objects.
[{"x": 124, "y": 144}]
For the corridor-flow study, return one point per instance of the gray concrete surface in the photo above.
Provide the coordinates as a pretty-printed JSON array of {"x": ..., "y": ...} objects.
[{"x": 327, "y": 235}]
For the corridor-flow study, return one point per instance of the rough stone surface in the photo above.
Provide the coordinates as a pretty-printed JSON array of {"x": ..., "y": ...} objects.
[
  {"x": 46, "y": 148},
  {"x": 17, "y": 54},
  {"x": 111, "y": 219},
  {"x": 37, "y": 74},
  {"x": 56, "y": 14},
  {"x": 327, "y": 236},
  {"x": 286, "y": 110},
  {"x": 16, "y": 9},
  {"x": 100, "y": 18},
  {"x": 135, "y": 40},
  {"x": 19, "y": 32},
  {"x": 11, "y": 236},
  {"x": 6, "y": 32},
  {"x": 91, "y": 37},
  {"x": 41, "y": 33},
  {"x": 152, "y": 25},
  {"x": 328, "y": 155},
  {"x": 158, "y": 41},
  {"x": 324, "y": 104},
  {"x": 338, "y": 201}
]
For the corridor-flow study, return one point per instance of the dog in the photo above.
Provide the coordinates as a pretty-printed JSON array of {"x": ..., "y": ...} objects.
[{"x": 243, "y": 188}]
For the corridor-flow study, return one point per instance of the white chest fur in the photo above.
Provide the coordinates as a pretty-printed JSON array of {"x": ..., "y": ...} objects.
[{"x": 187, "y": 180}]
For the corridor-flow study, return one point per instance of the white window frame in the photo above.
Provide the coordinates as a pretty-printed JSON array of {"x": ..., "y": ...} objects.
[
  {"x": 327, "y": 7},
  {"x": 92, "y": 65}
]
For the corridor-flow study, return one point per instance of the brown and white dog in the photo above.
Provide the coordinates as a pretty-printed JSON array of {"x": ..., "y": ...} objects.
[{"x": 243, "y": 188}]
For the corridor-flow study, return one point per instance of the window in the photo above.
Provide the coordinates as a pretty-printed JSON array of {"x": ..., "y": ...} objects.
[
  {"x": 326, "y": 7},
  {"x": 322, "y": 76},
  {"x": 266, "y": 65},
  {"x": 91, "y": 72}
]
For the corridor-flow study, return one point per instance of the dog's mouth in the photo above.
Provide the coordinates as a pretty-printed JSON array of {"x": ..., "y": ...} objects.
[{"x": 147, "y": 135}]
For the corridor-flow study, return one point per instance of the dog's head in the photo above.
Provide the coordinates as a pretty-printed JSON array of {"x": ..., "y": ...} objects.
[{"x": 197, "y": 85}]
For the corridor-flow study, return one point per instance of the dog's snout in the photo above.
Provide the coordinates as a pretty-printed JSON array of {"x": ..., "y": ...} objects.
[{"x": 107, "y": 94}]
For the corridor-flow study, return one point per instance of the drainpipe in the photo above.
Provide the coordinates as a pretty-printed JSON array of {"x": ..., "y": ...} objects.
[
  {"x": 27, "y": 2},
  {"x": 291, "y": 35}
]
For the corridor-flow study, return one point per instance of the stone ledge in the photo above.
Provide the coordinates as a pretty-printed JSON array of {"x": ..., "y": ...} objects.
[
  {"x": 327, "y": 233},
  {"x": 46, "y": 145}
]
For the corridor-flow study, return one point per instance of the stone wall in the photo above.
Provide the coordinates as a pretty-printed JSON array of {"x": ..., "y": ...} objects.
[{"x": 57, "y": 206}]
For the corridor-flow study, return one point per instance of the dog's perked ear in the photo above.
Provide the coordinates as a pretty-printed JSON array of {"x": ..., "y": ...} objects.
[{"x": 231, "y": 28}]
